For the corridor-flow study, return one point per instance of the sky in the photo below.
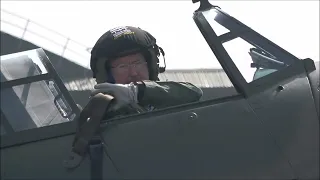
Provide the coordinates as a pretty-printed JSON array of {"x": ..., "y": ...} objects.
[{"x": 293, "y": 25}]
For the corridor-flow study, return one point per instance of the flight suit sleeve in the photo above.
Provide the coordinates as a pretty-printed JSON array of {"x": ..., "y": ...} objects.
[{"x": 168, "y": 93}]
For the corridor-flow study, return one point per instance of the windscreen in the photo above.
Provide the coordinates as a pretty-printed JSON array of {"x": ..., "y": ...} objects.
[
  {"x": 252, "y": 61},
  {"x": 29, "y": 103}
]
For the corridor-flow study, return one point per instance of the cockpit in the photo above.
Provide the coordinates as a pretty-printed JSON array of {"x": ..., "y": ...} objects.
[{"x": 33, "y": 95}]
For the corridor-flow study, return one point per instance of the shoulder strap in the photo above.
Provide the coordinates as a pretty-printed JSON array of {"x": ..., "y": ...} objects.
[{"x": 88, "y": 126}]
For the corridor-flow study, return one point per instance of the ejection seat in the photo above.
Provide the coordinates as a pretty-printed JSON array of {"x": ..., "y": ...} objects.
[{"x": 28, "y": 105}]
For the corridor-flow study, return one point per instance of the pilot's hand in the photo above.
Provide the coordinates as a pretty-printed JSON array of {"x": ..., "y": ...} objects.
[{"x": 124, "y": 94}]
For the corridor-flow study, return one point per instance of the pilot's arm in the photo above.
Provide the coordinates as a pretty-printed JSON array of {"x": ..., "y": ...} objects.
[
  {"x": 159, "y": 94},
  {"x": 167, "y": 93}
]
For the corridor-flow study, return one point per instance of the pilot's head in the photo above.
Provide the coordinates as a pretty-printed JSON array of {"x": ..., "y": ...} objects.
[{"x": 125, "y": 54}]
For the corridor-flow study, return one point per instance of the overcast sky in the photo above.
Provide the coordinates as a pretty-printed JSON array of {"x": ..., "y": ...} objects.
[{"x": 294, "y": 25}]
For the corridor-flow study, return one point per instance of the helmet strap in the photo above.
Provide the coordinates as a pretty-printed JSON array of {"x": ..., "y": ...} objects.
[{"x": 110, "y": 78}]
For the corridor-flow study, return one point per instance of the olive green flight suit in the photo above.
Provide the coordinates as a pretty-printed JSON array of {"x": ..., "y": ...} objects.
[{"x": 162, "y": 94}]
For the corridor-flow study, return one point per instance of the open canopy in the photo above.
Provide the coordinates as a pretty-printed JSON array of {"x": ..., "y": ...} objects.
[{"x": 30, "y": 95}]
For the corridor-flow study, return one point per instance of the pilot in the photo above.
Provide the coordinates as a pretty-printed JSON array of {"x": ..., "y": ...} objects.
[{"x": 125, "y": 64}]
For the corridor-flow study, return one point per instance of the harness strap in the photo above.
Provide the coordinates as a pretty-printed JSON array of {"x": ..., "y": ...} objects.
[
  {"x": 96, "y": 158},
  {"x": 88, "y": 127}
]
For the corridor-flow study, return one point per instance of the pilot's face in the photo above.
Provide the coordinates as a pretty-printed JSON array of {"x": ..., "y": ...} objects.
[{"x": 131, "y": 68}]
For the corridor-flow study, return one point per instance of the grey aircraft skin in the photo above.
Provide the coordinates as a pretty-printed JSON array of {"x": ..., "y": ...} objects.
[{"x": 269, "y": 130}]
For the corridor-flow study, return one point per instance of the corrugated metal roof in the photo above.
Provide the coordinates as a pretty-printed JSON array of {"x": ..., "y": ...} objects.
[
  {"x": 207, "y": 78},
  {"x": 203, "y": 78}
]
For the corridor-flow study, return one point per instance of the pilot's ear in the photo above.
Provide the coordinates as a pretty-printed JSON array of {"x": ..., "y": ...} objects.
[{"x": 101, "y": 74}]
